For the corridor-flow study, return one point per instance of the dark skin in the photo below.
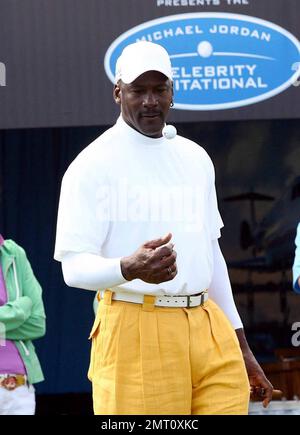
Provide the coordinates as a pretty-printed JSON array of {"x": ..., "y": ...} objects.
[
  {"x": 260, "y": 387},
  {"x": 153, "y": 262},
  {"x": 145, "y": 104}
]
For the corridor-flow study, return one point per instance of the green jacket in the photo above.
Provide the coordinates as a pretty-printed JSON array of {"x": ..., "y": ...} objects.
[{"x": 23, "y": 315}]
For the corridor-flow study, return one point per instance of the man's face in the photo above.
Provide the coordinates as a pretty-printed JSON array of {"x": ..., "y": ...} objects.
[{"x": 145, "y": 102}]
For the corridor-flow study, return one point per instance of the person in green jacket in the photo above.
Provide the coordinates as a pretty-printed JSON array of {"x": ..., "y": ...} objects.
[{"x": 22, "y": 319}]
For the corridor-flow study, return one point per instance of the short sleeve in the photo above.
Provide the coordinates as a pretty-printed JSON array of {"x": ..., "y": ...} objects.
[{"x": 79, "y": 226}]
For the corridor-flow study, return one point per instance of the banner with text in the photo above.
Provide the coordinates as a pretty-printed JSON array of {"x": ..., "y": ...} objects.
[{"x": 231, "y": 59}]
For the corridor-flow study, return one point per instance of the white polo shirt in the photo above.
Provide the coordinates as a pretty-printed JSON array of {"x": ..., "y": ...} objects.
[{"x": 125, "y": 189}]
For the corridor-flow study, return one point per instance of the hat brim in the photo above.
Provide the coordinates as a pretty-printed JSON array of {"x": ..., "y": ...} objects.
[{"x": 131, "y": 77}]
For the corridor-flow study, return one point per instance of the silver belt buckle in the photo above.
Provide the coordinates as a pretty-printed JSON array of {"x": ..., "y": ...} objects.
[{"x": 202, "y": 299}]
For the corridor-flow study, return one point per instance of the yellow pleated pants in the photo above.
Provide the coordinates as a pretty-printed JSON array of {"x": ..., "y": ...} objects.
[{"x": 165, "y": 361}]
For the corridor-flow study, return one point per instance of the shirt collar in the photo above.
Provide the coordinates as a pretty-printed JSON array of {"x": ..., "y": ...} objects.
[{"x": 138, "y": 137}]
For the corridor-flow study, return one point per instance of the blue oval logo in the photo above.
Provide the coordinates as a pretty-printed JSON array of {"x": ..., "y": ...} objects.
[{"x": 219, "y": 60}]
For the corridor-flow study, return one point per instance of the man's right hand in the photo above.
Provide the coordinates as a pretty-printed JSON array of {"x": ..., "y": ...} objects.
[{"x": 154, "y": 262}]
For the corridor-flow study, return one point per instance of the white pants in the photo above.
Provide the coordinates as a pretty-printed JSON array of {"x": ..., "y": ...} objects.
[{"x": 20, "y": 401}]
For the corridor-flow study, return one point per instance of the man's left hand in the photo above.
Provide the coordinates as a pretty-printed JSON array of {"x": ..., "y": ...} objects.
[{"x": 261, "y": 389}]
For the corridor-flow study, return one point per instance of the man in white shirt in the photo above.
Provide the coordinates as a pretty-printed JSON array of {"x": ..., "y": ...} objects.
[{"x": 138, "y": 220}]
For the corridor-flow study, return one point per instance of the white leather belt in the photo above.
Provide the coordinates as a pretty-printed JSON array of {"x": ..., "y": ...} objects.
[{"x": 163, "y": 301}]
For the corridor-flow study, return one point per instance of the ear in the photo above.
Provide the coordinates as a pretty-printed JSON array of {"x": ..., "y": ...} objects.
[
  {"x": 172, "y": 93},
  {"x": 117, "y": 94}
]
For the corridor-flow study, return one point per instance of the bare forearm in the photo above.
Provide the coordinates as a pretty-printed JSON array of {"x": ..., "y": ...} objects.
[{"x": 243, "y": 341}]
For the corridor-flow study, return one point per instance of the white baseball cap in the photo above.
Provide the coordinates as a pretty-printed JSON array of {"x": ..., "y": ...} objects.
[{"x": 140, "y": 57}]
